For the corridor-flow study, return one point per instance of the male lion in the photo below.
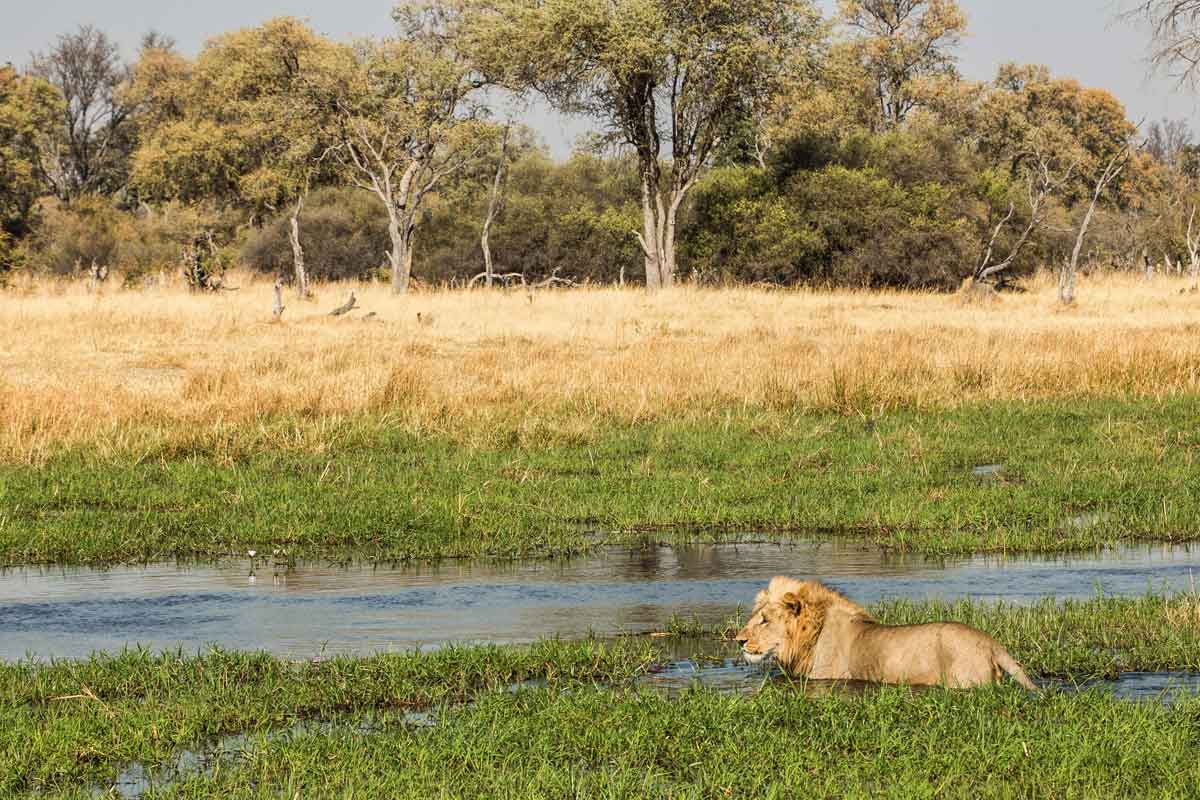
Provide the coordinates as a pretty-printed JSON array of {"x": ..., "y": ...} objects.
[{"x": 815, "y": 632}]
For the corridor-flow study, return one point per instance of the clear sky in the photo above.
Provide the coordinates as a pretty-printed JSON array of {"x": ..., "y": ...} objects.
[{"x": 1075, "y": 38}]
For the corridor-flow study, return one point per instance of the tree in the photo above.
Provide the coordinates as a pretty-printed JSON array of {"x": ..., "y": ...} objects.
[
  {"x": 495, "y": 201},
  {"x": 903, "y": 43},
  {"x": 1175, "y": 27},
  {"x": 403, "y": 117},
  {"x": 656, "y": 74},
  {"x": 1114, "y": 167},
  {"x": 87, "y": 151},
  {"x": 1051, "y": 137},
  {"x": 1169, "y": 142},
  {"x": 229, "y": 127},
  {"x": 28, "y": 106}
]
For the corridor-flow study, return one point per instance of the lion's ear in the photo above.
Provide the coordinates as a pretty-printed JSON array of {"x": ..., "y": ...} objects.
[{"x": 792, "y": 603}]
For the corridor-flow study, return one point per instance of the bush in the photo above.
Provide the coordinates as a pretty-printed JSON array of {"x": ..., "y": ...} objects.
[
  {"x": 343, "y": 233},
  {"x": 73, "y": 237}
]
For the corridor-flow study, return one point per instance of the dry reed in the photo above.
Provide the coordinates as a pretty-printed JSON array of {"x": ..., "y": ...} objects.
[{"x": 123, "y": 370}]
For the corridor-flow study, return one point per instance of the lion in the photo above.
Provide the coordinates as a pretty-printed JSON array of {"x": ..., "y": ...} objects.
[{"x": 814, "y": 632}]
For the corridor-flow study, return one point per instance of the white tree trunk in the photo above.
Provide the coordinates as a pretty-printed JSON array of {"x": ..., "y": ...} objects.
[
  {"x": 649, "y": 238},
  {"x": 1066, "y": 281},
  {"x": 298, "y": 251},
  {"x": 398, "y": 257},
  {"x": 493, "y": 207}
]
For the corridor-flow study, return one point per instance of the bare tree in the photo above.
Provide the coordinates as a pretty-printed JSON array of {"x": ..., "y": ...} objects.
[
  {"x": 1175, "y": 25},
  {"x": 1066, "y": 278},
  {"x": 1192, "y": 238},
  {"x": 494, "y": 203},
  {"x": 85, "y": 153},
  {"x": 1042, "y": 180},
  {"x": 1168, "y": 141}
]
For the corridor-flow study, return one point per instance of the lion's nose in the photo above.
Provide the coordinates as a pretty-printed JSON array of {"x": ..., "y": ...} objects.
[{"x": 740, "y": 639}]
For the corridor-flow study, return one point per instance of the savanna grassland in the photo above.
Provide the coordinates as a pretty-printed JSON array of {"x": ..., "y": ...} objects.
[{"x": 157, "y": 423}]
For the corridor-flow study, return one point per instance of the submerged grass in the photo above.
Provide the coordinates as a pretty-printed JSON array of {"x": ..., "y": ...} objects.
[
  {"x": 1072, "y": 476},
  {"x": 72, "y": 722},
  {"x": 592, "y": 743},
  {"x": 68, "y": 724}
]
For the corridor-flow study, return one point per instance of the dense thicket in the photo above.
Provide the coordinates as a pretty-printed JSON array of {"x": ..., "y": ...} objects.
[{"x": 840, "y": 152}]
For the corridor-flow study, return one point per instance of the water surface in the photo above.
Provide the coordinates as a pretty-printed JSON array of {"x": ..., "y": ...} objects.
[{"x": 309, "y": 609}]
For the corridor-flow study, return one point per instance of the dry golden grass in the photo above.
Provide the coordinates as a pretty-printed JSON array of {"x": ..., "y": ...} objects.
[{"x": 131, "y": 369}]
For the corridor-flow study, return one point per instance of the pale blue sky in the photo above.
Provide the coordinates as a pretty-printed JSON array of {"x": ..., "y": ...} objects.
[{"x": 1075, "y": 38}]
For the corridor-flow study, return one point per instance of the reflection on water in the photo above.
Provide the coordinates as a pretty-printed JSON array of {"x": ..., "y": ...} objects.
[{"x": 311, "y": 608}]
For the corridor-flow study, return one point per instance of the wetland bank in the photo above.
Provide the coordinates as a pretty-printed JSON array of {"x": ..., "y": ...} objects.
[{"x": 1027, "y": 472}]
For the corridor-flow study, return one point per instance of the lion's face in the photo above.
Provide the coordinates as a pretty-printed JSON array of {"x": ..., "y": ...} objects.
[{"x": 765, "y": 634}]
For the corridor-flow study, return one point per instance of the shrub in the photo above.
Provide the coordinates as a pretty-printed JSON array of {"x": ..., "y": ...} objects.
[
  {"x": 343, "y": 232},
  {"x": 74, "y": 236}
]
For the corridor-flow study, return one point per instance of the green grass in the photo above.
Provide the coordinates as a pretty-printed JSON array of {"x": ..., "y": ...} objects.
[
  {"x": 592, "y": 743},
  {"x": 379, "y": 492},
  {"x": 994, "y": 742},
  {"x": 71, "y": 724},
  {"x": 77, "y": 722}
]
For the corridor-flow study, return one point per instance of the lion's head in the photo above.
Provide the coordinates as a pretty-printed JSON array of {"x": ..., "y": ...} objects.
[{"x": 786, "y": 623}]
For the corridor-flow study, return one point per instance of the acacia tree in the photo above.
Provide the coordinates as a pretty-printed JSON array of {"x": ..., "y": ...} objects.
[
  {"x": 657, "y": 74},
  {"x": 902, "y": 43},
  {"x": 402, "y": 116}
]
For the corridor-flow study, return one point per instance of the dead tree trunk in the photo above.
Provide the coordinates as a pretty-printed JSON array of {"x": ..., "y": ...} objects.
[
  {"x": 346, "y": 307},
  {"x": 1193, "y": 248},
  {"x": 298, "y": 251},
  {"x": 1066, "y": 281},
  {"x": 277, "y": 308},
  {"x": 494, "y": 204}
]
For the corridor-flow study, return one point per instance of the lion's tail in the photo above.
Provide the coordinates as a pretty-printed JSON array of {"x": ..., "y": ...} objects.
[{"x": 1010, "y": 665}]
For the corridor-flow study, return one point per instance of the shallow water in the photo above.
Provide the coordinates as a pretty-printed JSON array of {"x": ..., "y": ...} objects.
[
  {"x": 309, "y": 609},
  {"x": 736, "y": 677}
]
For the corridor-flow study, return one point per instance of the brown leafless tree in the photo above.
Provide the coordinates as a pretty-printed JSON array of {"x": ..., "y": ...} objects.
[
  {"x": 1175, "y": 26},
  {"x": 86, "y": 152}
]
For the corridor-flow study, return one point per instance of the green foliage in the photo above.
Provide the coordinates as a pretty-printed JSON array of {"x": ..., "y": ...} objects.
[
  {"x": 91, "y": 230},
  {"x": 231, "y": 127},
  {"x": 77, "y": 235},
  {"x": 576, "y": 218},
  {"x": 891, "y": 210},
  {"x": 28, "y": 107}
]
